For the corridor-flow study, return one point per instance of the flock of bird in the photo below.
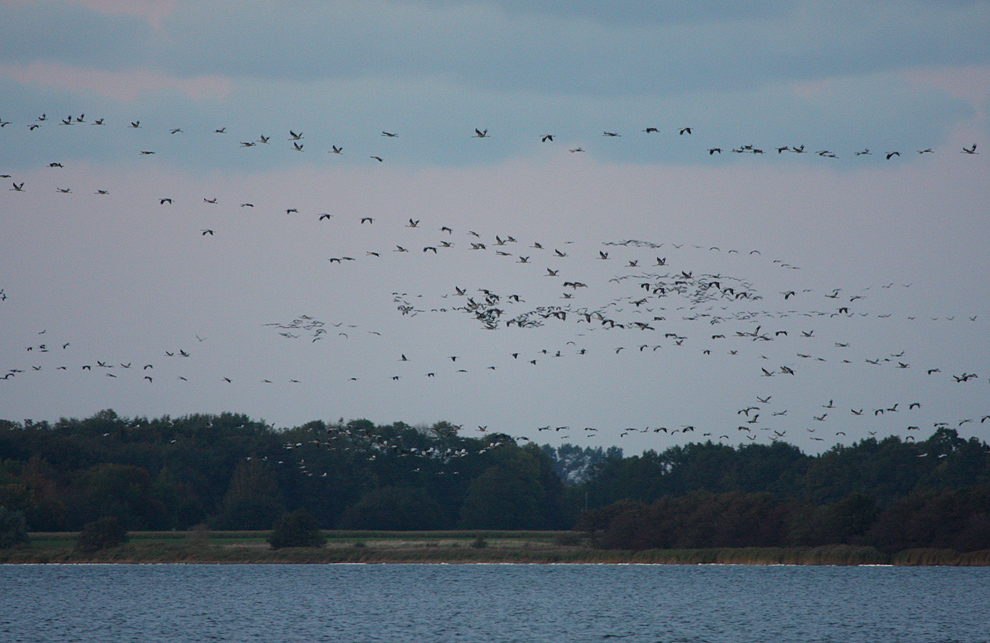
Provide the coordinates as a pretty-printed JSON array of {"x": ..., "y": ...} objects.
[
  {"x": 297, "y": 141},
  {"x": 597, "y": 306}
]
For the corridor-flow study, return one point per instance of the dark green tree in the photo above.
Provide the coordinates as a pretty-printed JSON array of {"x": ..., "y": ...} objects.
[
  {"x": 394, "y": 508},
  {"x": 253, "y": 499},
  {"x": 101, "y": 534},
  {"x": 296, "y": 529},
  {"x": 13, "y": 528},
  {"x": 508, "y": 495},
  {"x": 119, "y": 490}
]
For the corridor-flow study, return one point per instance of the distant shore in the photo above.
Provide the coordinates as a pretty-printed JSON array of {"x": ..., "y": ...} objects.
[{"x": 461, "y": 547}]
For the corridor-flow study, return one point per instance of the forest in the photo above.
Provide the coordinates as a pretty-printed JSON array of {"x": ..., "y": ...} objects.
[{"x": 227, "y": 472}]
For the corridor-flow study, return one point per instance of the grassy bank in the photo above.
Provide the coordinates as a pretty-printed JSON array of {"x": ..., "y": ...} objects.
[{"x": 448, "y": 547}]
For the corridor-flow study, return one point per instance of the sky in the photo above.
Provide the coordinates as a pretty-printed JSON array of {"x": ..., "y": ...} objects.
[{"x": 599, "y": 223}]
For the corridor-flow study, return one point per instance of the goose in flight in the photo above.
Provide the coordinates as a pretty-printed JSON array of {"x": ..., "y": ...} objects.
[
  {"x": 294, "y": 136},
  {"x": 546, "y": 138},
  {"x": 377, "y": 158},
  {"x": 18, "y": 187},
  {"x": 389, "y": 134},
  {"x": 480, "y": 133},
  {"x": 297, "y": 146},
  {"x": 336, "y": 150},
  {"x": 684, "y": 130},
  {"x": 970, "y": 150}
]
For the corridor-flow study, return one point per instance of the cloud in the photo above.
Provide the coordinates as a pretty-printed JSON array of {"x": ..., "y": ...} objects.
[
  {"x": 555, "y": 50},
  {"x": 151, "y": 11},
  {"x": 120, "y": 85},
  {"x": 549, "y": 48}
]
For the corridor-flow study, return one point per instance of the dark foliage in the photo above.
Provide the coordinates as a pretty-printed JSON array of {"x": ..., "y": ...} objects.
[
  {"x": 394, "y": 509},
  {"x": 958, "y": 520},
  {"x": 296, "y": 529},
  {"x": 101, "y": 534},
  {"x": 13, "y": 528},
  {"x": 229, "y": 472}
]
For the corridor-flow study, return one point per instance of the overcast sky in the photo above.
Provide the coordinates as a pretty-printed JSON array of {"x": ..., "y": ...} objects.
[{"x": 664, "y": 221}]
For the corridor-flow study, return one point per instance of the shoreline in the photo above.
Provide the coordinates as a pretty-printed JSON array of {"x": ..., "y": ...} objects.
[{"x": 439, "y": 548}]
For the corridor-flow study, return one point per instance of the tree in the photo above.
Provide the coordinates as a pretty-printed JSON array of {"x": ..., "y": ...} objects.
[
  {"x": 119, "y": 490},
  {"x": 101, "y": 534},
  {"x": 296, "y": 529},
  {"x": 253, "y": 499},
  {"x": 13, "y": 528},
  {"x": 395, "y": 509},
  {"x": 508, "y": 495}
]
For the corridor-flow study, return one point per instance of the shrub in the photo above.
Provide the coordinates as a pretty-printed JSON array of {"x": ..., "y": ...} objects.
[
  {"x": 13, "y": 528},
  {"x": 102, "y": 534},
  {"x": 296, "y": 529}
]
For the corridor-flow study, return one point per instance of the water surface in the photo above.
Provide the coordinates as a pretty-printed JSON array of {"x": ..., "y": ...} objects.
[{"x": 493, "y": 603}]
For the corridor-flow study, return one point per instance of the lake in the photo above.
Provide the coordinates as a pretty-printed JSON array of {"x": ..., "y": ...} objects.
[{"x": 493, "y": 603}]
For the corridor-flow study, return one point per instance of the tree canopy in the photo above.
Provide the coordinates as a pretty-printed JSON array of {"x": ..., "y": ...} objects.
[{"x": 228, "y": 471}]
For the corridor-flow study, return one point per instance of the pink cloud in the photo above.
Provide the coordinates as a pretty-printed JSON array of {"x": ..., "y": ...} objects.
[
  {"x": 126, "y": 85},
  {"x": 811, "y": 88},
  {"x": 971, "y": 84},
  {"x": 152, "y": 11}
]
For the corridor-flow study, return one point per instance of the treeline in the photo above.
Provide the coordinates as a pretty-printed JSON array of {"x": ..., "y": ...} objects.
[
  {"x": 230, "y": 472},
  {"x": 889, "y": 494}
]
